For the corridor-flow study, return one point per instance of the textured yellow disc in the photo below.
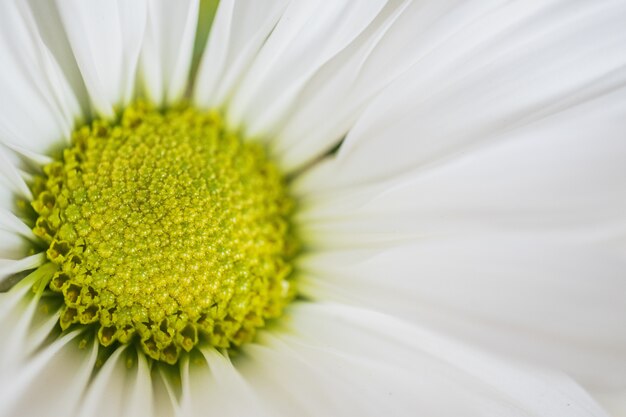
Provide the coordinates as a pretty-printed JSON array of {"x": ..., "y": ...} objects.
[{"x": 167, "y": 230}]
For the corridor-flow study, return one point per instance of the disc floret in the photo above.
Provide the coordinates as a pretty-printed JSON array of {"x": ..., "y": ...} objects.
[{"x": 166, "y": 229}]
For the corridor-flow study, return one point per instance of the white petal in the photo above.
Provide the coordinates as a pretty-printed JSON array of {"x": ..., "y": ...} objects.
[
  {"x": 518, "y": 245},
  {"x": 216, "y": 387},
  {"x": 14, "y": 246},
  {"x": 402, "y": 34},
  {"x": 13, "y": 224},
  {"x": 512, "y": 67},
  {"x": 52, "y": 382},
  {"x": 198, "y": 387},
  {"x": 613, "y": 402},
  {"x": 50, "y": 26},
  {"x": 308, "y": 34},
  {"x": 167, "y": 49},
  {"x": 237, "y": 33},
  {"x": 550, "y": 300},
  {"x": 33, "y": 88},
  {"x": 26, "y": 318},
  {"x": 334, "y": 360},
  {"x": 122, "y": 387},
  {"x": 166, "y": 399},
  {"x": 564, "y": 174},
  {"x": 106, "y": 40},
  {"x": 12, "y": 184},
  {"x": 10, "y": 267}
]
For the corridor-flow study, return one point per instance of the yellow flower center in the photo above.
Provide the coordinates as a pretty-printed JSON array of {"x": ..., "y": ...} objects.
[{"x": 167, "y": 230}]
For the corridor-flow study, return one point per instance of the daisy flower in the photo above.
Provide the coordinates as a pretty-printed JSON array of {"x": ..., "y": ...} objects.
[{"x": 398, "y": 208}]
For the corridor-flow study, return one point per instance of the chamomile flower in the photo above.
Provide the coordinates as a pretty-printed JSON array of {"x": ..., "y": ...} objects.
[{"x": 345, "y": 208}]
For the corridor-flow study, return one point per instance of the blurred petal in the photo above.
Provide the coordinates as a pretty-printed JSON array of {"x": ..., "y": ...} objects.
[
  {"x": 403, "y": 33},
  {"x": 106, "y": 40},
  {"x": 53, "y": 34},
  {"x": 12, "y": 184},
  {"x": 26, "y": 319},
  {"x": 10, "y": 267},
  {"x": 528, "y": 297},
  {"x": 613, "y": 402},
  {"x": 32, "y": 87},
  {"x": 517, "y": 245},
  {"x": 513, "y": 67},
  {"x": 122, "y": 387},
  {"x": 308, "y": 34},
  {"x": 237, "y": 33},
  {"x": 335, "y": 360},
  {"x": 167, "y": 49},
  {"x": 561, "y": 174},
  {"x": 209, "y": 384},
  {"x": 53, "y": 382}
]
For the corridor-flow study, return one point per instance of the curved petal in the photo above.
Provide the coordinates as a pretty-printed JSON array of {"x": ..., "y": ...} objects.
[
  {"x": 167, "y": 49},
  {"x": 12, "y": 184},
  {"x": 32, "y": 86},
  {"x": 50, "y": 26},
  {"x": 400, "y": 36},
  {"x": 10, "y": 267},
  {"x": 216, "y": 387},
  {"x": 166, "y": 399},
  {"x": 547, "y": 300},
  {"x": 122, "y": 387},
  {"x": 518, "y": 245},
  {"x": 26, "y": 318},
  {"x": 513, "y": 67},
  {"x": 564, "y": 173},
  {"x": 13, "y": 224},
  {"x": 14, "y": 247},
  {"x": 613, "y": 401},
  {"x": 308, "y": 34},
  {"x": 106, "y": 39},
  {"x": 237, "y": 33},
  {"x": 335, "y": 360},
  {"x": 52, "y": 382}
]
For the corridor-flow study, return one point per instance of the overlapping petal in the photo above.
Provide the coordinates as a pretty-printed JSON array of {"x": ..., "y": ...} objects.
[
  {"x": 478, "y": 191},
  {"x": 505, "y": 224},
  {"x": 167, "y": 49},
  {"x": 38, "y": 108}
]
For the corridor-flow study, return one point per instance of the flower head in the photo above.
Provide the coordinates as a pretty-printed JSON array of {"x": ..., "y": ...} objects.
[{"x": 343, "y": 208}]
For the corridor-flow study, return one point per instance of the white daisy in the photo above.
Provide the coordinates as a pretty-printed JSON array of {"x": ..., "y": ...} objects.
[{"x": 458, "y": 169}]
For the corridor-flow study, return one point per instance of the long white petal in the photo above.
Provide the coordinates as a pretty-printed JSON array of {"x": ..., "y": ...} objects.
[
  {"x": 122, "y": 387},
  {"x": 26, "y": 318},
  {"x": 53, "y": 382},
  {"x": 237, "y": 33},
  {"x": 562, "y": 174},
  {"x": 12, "y": 184},
  {"x": 612, "y": 401},
  {"x": 11, "y": 223},
  {"x": 209, "y": 383},
  {"x": 308, "y": 34},
  {"x": 38, "y": 108},
  {"x": 517, "y": 245},
  {"x": 10, "y": 267},
  {"x": 53, "y": 34},
  {"x": 14, "y": 246},
  {"x": 550, "y": 300},
  {"x": 513, "y": 67},
  {"x": 167, "y": 49},
  {"x": 106, "y": 39},
  {"x": 402, "y": 34},
  {"x": 335, "y": 360},
  {"x": 166, "y": 398}
]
